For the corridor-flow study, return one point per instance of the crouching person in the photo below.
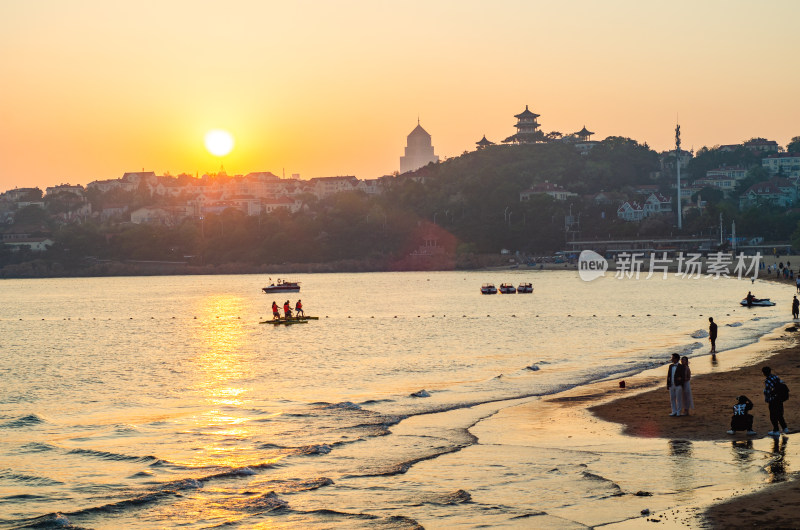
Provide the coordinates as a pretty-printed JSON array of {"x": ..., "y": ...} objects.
[{"x": 742, "y": 420}]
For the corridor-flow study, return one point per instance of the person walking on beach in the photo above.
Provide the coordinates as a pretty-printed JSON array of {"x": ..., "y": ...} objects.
[
  {"x": 675, "y": 384},
  {"x": 741, "y": 419},
  {"x": 775, "y": 402},
  {"x": 795, "y": 308},
  {"x": 688, "y": 401},
  {"x": 797, "y": 282},
  {"x": 712, "y": 334}
]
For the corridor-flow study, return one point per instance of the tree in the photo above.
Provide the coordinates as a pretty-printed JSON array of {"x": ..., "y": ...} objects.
[{"x": 794, "y": 145}]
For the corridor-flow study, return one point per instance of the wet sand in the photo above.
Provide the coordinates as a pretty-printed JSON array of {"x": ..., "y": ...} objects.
[{"x": 646, "y": 414}]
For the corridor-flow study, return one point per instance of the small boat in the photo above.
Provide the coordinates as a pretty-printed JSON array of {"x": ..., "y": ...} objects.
[
  {"x": 282, "y": 287},
  {"x": 759, "y": 302},
  {"x": 507, "y": 288},
  {"x": 291, "y": 320},
  {"x": 525, "y": 288},
  {"x": 488, "y": 288}
]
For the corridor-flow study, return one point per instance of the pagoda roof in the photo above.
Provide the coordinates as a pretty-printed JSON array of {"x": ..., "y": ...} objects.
[
  {"x": 584, "y": 132},
  {"x": 484, "y": 141},
  {"x": 526, "y": 114}
]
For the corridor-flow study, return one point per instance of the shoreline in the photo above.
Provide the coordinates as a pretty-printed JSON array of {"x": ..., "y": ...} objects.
[{"x": 645, "y": 415}]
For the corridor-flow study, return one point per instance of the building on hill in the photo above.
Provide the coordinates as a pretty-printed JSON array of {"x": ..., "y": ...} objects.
[
  {"x": 667, "y": 159},
  {"x": 527, "y": 129},
  {"x": 631, "y": 211},
  {"x": 546, "y": 188},
  {"x": 584, "y": 144},
  {"x": 18, "y": 194},
  {"x": 729, "y": 172},
  {"x": 756, "y": 145},
  {"x": 34, "y": 244},
  {"x": 775, "y": 191},
  {"x": 483, "y": 143},
  {"x": 786, "y": 164},
  {"x": 65, "y": 188},
  {"x": 726, "y": 184},
  {"x": 656, "y": 204},
  {"x": 762, "y": 145},
  {"x": 419, "y": 150}
]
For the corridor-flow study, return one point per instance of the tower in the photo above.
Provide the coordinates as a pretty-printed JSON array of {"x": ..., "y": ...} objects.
[
  {"x": 527, "y": 129},
  {"x": 419, "y": 151}
]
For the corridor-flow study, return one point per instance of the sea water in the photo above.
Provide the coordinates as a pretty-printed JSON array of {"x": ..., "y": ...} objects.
[{"x": 165, "y": 401}]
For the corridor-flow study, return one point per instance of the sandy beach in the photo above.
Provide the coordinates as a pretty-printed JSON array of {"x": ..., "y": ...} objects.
[{"x": 646, "y": 415}]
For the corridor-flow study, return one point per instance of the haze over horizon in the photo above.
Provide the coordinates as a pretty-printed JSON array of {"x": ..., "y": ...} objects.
[{"x": 92, "y": 89}]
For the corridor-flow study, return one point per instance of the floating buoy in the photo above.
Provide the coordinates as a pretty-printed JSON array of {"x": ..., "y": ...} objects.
[
  {"x": 152, "y": 318},
  {"x": 173, "y": 318},
  {"x": 395, "y": 316},
  {"x": 348, "y": 316}
]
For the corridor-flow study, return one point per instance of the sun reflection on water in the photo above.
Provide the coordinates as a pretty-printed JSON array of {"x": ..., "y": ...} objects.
[{"x": 221, "y": 367}]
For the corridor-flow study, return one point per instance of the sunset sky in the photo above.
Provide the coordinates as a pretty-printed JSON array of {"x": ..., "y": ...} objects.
[{"x": 91, "y": 89}]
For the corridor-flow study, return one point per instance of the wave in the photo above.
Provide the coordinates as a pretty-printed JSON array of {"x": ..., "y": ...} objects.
[
  {"x": 295, "y": 486},
  {"x": 105, "y": 455},
  {"x": 344, "y": 405},
  {"x": 24, "y": 421},
  {"x": 37, "y": 447},
  {"x": 28, "y": 480}
]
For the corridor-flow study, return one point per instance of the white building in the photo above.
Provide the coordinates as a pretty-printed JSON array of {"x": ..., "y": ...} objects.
[
  {"x": 546, "y": 188},
  {"x": 419, "y": 150},
  {"x": 787, "y": 164}
]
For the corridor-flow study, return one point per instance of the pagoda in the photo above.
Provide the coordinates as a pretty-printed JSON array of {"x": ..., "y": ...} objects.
[
  {"x": 584, "y": 134},
  {"x": 527, "y": 129},
  {"x": 419, "y": 150},
  {"x": 483, "y": 143}
]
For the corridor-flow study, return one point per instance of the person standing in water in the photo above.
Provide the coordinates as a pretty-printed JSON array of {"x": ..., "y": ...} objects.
[
  {"x": 712, "y": 334},
  {"x": 795, "y": 308}
]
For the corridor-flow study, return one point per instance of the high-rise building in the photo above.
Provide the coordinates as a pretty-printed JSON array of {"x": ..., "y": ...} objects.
[{"x": 419, "y": 151}]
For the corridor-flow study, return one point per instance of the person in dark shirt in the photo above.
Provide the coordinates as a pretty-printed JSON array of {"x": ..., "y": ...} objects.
[
  {"x": 795, "y": 308},
  {"x": 675, "y": 376},
  {"x": 741, "y": 419},
  {"x": 774, "y": 402},
  {"x": 712, "y": 334}
]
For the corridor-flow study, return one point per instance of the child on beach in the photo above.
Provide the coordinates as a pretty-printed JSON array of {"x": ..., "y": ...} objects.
[{"x": 741, "y": 419}]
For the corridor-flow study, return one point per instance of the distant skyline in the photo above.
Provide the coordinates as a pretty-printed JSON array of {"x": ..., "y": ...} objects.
[{"x": 92, "y": 89}]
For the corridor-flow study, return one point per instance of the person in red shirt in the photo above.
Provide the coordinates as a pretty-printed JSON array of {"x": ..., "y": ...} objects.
[
  {"x": 298, "y": 309},
  {"x": 275, "y": 313},
  {"x": 287, "y": 310}
]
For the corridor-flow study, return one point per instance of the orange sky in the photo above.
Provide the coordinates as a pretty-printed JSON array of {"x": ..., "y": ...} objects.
[{"x": 91, "y": 89}]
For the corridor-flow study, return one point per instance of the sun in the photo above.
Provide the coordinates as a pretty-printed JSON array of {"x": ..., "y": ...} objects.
[{"x": 219, "y": 142}]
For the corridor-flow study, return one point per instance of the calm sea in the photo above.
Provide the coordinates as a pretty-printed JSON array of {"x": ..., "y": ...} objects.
[{"x": 161, "y": 402}]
